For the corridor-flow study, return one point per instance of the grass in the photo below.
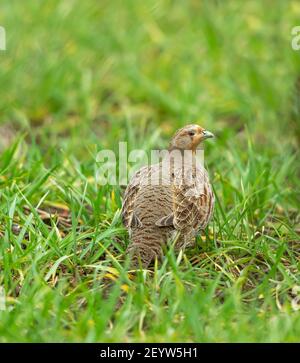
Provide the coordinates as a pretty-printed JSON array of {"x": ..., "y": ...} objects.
[{"x": 78, "y": 77}]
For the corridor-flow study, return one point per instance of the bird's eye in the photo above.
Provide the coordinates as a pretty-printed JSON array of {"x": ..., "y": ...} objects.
[{"x": 191, "y": 133}]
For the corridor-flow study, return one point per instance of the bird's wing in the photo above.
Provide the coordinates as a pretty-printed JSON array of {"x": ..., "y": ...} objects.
[
  {"x": 129, "y": 218},
  {"x": 193, "y": 201}
]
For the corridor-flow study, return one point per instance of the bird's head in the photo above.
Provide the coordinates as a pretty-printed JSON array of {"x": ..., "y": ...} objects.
[{"x": 189, "y": 137}]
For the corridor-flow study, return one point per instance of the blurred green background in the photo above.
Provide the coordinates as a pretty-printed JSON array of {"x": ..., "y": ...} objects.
[
  {"x": 75, "y": 68},
  {"x": 79, "y": 76}
]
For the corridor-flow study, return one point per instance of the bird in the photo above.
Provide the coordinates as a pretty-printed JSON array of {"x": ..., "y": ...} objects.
[{"x": 169, "y": 200}]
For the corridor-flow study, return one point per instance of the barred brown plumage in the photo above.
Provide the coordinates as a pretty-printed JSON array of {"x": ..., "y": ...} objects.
[{"x": 170, "y": 197}]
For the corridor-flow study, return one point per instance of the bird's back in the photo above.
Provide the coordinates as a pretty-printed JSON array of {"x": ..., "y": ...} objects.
[{"x": 152, "y": 202}]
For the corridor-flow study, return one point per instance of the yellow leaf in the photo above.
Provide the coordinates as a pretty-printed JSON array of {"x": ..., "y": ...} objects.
[
  {"x": 125, "y": 287},
  {"x": 110, "y": 276}
]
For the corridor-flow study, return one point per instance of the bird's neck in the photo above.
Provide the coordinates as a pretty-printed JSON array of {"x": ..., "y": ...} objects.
[
  {"x": 180, "y": 157},
  {"x": 181, "y": 151}
]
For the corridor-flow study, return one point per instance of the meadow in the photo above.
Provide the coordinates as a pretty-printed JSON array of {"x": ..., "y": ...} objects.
[{"x": 80, "y": 76}]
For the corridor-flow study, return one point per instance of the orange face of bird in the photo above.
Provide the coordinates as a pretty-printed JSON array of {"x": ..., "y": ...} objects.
[{"x": 189, "y": 137}]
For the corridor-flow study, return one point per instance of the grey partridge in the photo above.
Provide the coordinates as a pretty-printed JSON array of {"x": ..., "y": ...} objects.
[{"x": 172, "y": 199}]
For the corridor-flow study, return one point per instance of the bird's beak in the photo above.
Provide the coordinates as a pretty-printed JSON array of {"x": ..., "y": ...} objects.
[{"x": 207, "y": 135}]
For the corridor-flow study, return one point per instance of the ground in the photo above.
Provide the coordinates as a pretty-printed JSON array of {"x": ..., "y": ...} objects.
[{"x": 78, "y": 77}]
